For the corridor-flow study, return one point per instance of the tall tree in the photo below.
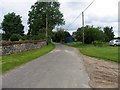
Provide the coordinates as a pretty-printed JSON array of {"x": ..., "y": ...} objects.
[
  {"x": 90, "y": 34},
  {"x": 60, "y": 35},
  {"x": 109, "y": 34},
  {"x": 38, "y": 14},
  {"x": 12, "y": 24},
  {"x": 0, "y": 26}
]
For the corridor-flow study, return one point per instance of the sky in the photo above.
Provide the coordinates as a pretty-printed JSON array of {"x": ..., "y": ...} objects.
[{"x": 100, "y": 14}]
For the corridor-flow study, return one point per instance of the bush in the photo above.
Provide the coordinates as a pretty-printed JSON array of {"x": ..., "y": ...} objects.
[
  {"x": 15, "y": 37},
  {"x": 98, "y": 43},
  {"x": 5, "y": 36},
  {"x": 49, "y": 40},
  {"x": 25, "y": 37},
  {"x": 40, "y": 36}
]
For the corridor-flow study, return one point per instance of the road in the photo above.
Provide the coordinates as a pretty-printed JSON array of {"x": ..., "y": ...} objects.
[{"x": 61, "y": 68}]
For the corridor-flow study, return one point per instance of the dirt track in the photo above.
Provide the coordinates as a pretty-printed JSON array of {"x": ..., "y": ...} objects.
[{"x": 103, "y": 74}]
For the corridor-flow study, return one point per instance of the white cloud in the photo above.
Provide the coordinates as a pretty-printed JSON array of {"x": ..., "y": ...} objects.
[{"x": 100, "y": 13}]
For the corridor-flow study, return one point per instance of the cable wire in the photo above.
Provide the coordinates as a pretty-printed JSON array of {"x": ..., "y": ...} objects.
[
  {"x": 81, "y": 13},
  {"x": 89, "y": 6}
]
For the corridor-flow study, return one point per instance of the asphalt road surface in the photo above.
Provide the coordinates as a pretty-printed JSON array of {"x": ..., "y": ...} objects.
[{"x": 61, "y": 68}]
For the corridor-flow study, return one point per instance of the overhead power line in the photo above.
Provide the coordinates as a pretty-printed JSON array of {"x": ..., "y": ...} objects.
[
  {"x": 81, "y": 13},
  {"x": 89, "y": 6},
  {"x": 75, "y": 19}
]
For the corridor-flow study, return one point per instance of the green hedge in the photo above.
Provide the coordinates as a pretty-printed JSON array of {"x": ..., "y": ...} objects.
[
  {"x": 98, "y": 43},
  {"x": 15, "y": 37}
]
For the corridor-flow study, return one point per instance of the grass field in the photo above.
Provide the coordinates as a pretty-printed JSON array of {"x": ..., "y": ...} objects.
[
  {"x": 106, "y": 52},
  {"x": 14, "y": 60}
]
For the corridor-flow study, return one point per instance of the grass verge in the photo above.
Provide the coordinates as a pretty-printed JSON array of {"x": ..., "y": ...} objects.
[
  {"x": 14, "y": 60},
  {"x": 106, "y": 52}
]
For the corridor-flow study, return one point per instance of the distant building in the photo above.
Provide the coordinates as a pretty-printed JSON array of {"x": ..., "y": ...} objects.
[
  {"x": 69, "y": 39},
  {"x": 74, "y": 36}
]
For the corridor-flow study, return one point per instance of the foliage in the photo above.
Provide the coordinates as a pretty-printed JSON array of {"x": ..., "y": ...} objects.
[
  {"x": 0, "y": 36},
  {"x": 60, "y": 35},
  {"x": 109, "y": 34},
  {"x": 98, "y": 43},
  {"x": 75, "y": 44},
  {"x": 24, "y": 37},
  {"x": 14, "y": 60},
  {"x": 40, "y": 36},
  {"x": 12, "y": 24},
  {"x": 5, "y": 36},
  {"x": 15, "y": 37},
  {"x": 90, "y": 34},
  {"x": 49, "y": 40},
  {"x": 38, "y": 14},
  {"x": 0, "y": 26}
]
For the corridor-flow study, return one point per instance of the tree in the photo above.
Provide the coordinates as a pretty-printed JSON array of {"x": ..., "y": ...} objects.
[
  {"x": 60, "y": 35},
  {"x": 0, "y": 26},
  {"x": 12, "y": 24},
  {"x": 38, "y": 14},
  {"x": 109, "y": 34},
  {"x": 15, "y": 37},
  {"x": 90, "y": 34}
]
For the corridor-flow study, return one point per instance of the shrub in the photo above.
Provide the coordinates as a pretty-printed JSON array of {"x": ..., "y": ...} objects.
[
  {"x": 49, "y": 40},
  {"x": 38, "y": 37},
  {"x": 25, "y": 37},
  {"x": 98, "y": 43},
  {"x": 15, "y": 37}
]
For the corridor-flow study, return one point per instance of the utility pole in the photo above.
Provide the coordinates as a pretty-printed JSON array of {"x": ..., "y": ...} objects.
[
  {"x": 46, "y": 29},
  {"x": 83, "y": 25}
]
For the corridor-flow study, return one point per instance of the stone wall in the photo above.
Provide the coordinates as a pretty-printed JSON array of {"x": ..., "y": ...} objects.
[{"x": 16, "y": 48}]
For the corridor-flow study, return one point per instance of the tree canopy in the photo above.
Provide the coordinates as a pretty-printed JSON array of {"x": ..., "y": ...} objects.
[
  {"x": 12, "y": 24},
  {"x": 109, "y": 34},
  {"x": 90, "y": 34},
  {"x": 60, "y": 35},
  {"x": 38, "y": 14}
]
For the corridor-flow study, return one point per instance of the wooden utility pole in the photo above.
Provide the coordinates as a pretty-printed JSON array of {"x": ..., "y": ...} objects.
[
  {"x": 83, "y": 25},
  {"x": 46, "y": 29}
]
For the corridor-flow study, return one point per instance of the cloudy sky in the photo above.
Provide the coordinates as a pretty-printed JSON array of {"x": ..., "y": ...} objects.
[{"x": 101, "y": 13}]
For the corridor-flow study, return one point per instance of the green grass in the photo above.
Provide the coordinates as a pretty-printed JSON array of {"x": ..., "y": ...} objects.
[
  {"x": 14, "y": 60},
  {"x": 106, "y": 52}
]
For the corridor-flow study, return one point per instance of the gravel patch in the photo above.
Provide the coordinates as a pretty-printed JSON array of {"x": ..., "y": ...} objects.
[{"x": 103, "y": 74}]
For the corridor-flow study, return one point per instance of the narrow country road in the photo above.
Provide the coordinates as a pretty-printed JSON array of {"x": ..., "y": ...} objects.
[{"x": 61, "y": 68}]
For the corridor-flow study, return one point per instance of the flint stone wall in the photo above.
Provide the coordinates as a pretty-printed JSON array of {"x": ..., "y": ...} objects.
[{"x": 16, "y": 48}]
